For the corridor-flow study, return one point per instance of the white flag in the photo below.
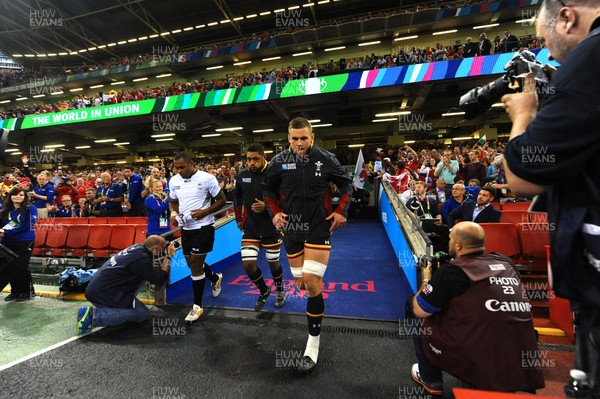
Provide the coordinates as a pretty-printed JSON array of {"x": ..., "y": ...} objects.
[
  {"x": 482, "y": 140},
  {"x": 107, "y": 97},
  {"x": 360, "y": 172}
]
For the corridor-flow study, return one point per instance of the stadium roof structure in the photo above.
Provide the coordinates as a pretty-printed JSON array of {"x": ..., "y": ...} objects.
[
  {"x": 83, "y": 31},
  {"x": 66, "y": 26}
]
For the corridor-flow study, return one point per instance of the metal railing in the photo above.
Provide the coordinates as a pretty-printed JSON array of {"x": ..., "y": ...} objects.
[{"x": 417, "y": 239}]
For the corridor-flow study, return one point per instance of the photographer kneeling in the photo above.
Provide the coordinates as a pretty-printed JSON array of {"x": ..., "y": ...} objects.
[
  {"x": 477, "y": 318},
  {"x": 114, "y": 287}
]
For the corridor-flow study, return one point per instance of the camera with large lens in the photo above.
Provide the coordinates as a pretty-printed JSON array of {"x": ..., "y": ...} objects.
[
  {"x": 438, "y": 259},
  {"x": 479, "y": 100}
]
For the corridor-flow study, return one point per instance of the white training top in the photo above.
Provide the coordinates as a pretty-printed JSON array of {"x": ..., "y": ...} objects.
[{"x": 194, "y": 193}]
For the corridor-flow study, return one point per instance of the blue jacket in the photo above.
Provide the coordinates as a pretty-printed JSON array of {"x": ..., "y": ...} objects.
[
  {"x": 62, "y": 212},
  {"x": 450, "y": 205},
  {"x": 117, "y": 281},
  {"x": 47, "y": 190},
  {"x": 21, "y": 225},
  {"x": 113, "y": 191},
  {"x": 155, "y": 210},
  {"x": 136, "y": 186}
]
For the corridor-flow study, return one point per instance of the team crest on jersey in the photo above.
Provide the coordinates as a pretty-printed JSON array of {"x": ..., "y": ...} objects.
[
  {"x": 318, "y": 164},
  {"x": 199, "y": 186},
  {"x": 288, "y": 166},
  {"x": 247, "y": 180},
  {"x": 176, "y": 187}
]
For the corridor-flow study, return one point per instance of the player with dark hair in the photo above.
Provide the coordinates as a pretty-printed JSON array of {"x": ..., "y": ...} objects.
[
  {"x": 302, "y": 175},
  {"x": 253, "y": 219},
  {"x": 191, "y": 193}
]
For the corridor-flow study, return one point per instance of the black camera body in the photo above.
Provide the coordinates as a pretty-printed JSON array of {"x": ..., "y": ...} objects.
[
  {"x": 478, "y": 101},
  {"x": 437, "y": 260}
]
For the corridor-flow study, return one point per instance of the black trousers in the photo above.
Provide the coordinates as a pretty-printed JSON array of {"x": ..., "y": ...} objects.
[
  {"x": 137, "y": 209},
  {"x": 587, "y": 356},
  {"x": 429, "y": 371},
  {"x": 17, "y": 272},
  {"x": 114, "y": 211}
]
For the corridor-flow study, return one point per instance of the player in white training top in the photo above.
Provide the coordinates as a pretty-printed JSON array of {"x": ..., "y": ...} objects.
[{"x": 192, "y": 192}]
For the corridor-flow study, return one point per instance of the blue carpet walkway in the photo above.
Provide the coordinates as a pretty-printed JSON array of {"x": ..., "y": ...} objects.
[{"x": 362, "y": 280}]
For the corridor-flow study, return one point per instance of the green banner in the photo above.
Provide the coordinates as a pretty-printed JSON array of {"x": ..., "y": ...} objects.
[
  {"x": 8, "y": 123},
  {"x": 133, "y": 108},
  {"x": 145, "y": 107},
  {"x": 305, "y": 87}
]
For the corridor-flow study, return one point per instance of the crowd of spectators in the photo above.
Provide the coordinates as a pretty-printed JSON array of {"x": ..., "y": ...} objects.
[
  {"x": 276, "y": 75},
  {"x": 12, "y": 77},
  {"x": 417, "y": 174},
  {"x": 470, "y": 48},
  {"x": 476, "y": 165},
  {"x": 400, "y": 56},
  {"x": 380, "y": 14},
  {"x": 76, "y": 181},
  {"x": 416, "y": 159},
  {"x": 403, "y": 56}
]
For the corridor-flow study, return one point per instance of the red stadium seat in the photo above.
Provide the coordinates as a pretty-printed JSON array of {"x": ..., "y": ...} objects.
[
  {"x": 98, "y": 240},
  {"x": 56, "y": 239},
  {"x": 534, "y": 237},
  {"x": 117, "y": 220},
  {"x": 98, "y": 220},
  {"x": 137, "y": 220},
  {"x": 41, "y": 232},
  {"x": 538, "y": 217},
  {"x": 502, "y": 238},
  {"x": 561, "y": 314},
  {"x": 514, "y": 217},
  {"x": 497, "y": 205},
  {"x": 516, "y": 206},
  {"x": 121, "y": 237},
  {"x": 77, "y": 240},
  {"x": 70, "y": 220},
  {"x": 140, "y": 233}
]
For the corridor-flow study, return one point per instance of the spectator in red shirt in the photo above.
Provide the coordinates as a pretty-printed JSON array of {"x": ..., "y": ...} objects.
[
  {"x": 64, "y": 187},
  {"x": 412, "y": 160},
  {"x": 80, "y": 187}
]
